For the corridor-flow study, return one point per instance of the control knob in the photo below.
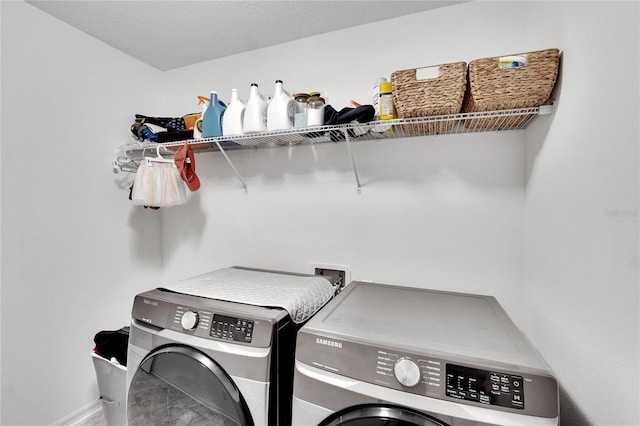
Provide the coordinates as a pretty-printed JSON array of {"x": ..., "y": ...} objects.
[
  {"x": 189, "y": 320},
  {"x": 407, "y": 372}
]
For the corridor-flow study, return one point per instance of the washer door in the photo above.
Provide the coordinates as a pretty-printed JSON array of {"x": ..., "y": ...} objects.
[
  {"x": 379, "y": 415},
  {"x": 180, "y": 385}
]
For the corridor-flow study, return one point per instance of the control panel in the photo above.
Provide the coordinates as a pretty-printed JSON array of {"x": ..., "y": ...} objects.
[
  {"x": 231, "y": 328},
  {"x": 200, "y": 322},
  {"x": 429, "y": 375},
  {"x": 217, "y": 326},
  {"x": 485, "y": 387}
]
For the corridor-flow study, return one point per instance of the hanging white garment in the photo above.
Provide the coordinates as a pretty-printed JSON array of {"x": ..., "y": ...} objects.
[{"x": 158, "y": 184}]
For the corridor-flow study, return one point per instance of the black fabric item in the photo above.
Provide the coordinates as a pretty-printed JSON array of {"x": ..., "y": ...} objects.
[
  {"x": 143, "y": 132},
  {"x": 169, "y": 123},
  {"x": 113, "y": 344},
  {"x": 174, "y": 136},
  {"x": 361, "y": 114}
]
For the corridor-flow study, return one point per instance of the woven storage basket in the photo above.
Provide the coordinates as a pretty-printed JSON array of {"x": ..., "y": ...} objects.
[
  {"x": 490, "y": 88},
  {"x": 425, "y": 97}
]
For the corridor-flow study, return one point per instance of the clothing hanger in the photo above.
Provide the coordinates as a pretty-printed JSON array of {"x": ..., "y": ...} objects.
[
  {"x": 158, "y": 158},
  {"x": 125, "y": 164}
]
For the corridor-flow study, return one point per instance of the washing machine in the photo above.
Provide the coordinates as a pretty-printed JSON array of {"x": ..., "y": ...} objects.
[
  {"x": 218, "y": 348},
  {"x": 389, "y": 355}
]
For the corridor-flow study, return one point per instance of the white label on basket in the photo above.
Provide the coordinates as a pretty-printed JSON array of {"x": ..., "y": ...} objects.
[
  {"x": 512, "y": 62},
  {"x": 427, "y": 73}
]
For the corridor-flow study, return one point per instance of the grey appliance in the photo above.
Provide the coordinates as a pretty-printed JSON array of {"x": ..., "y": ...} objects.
[
  {"x": 390, "y": 355},
  {"x": 202, "y": 361}
]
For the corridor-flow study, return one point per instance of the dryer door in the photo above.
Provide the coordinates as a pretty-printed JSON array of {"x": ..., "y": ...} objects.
[
  {"x": 180, "y": 385},
  {"x": 380, "y": 415}
]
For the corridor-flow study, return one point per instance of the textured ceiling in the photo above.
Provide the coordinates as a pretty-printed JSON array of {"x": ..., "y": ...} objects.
[{"x": 173, "y": 34}]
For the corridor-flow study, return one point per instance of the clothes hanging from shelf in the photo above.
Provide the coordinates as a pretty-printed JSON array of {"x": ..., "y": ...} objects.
[
  {"x": 158, "y": 183},
  {"x": 186, "y": 163}
]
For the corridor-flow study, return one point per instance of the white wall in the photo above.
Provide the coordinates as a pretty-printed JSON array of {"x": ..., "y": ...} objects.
[
  {"x": 442, "y": 212},
  {"x": 74, "y": 251},
  {"x": 581, "y": 227},
  {"x": 0, "y": 221},
  {"x": 526, "y": 216},
  {"x": 452, "y": 212}
]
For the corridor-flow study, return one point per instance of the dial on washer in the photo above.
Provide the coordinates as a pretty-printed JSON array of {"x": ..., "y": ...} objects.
[
  {"x": 189, "y": 320},
  {"x": 407, "y": 372}
]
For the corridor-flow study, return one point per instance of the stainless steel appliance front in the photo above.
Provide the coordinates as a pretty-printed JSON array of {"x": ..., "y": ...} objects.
[
  {"x": 456, "y": 358},
  {"x": 201, "y": 361}
]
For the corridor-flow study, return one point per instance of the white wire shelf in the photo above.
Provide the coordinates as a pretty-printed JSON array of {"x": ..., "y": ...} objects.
[{"x": 130, "y": 154}]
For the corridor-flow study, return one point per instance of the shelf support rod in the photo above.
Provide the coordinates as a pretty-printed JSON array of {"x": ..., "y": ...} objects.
[
  {"x": 353, "y": 161},
  {"x": 244, "y": 185}
]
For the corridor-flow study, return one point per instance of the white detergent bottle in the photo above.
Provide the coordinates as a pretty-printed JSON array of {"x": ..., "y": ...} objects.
[
  {"x": 281, "y": 111},
  {"x": 233, "y": 116},
  {"x": 255, "y": 113}
]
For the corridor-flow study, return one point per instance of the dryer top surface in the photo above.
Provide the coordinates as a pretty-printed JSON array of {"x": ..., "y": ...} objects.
[{"x": 300, "y": 295}]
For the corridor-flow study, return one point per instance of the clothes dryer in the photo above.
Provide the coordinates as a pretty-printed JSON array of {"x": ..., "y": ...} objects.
[
  {"x": 389, "y": 355},
  {"x": 199, "y": 356}
]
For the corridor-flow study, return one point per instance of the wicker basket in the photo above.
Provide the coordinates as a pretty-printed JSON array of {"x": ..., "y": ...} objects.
[
  {"x": 491, "y": 88},
  {"x": 441, "y": 94}
]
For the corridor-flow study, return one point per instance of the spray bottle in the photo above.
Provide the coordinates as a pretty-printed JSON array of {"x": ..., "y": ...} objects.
[{"x": 197, "y": 128}]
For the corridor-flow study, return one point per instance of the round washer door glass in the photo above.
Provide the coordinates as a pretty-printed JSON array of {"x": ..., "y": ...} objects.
[
  {"x": 380, "y": 415},
  {"x": 178, "y": 385}
]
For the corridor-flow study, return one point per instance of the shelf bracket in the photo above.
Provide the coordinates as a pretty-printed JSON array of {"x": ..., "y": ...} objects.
[
  {"x": 242, "y": 182},
  {"x": 546, "y": 109},
  {"x": 353, "y": 161}
]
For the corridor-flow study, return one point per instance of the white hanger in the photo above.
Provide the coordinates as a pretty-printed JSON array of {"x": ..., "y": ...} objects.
[{"x": 158, "y": 158}]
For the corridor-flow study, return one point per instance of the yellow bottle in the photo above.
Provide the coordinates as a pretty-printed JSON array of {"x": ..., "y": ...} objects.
[{"x": 387, "y": 110}]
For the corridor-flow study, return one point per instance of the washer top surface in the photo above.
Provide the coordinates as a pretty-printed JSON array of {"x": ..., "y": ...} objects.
[{"x": 463, "y": 325}]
